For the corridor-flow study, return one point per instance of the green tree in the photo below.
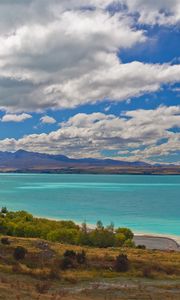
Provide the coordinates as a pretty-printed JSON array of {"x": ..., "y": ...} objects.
[
  {"x": 4, "y": 210},
  {"x": 126, "y": 231},
  {"x": 102, "y": 238},
  {"x": 99, "y": 225}
]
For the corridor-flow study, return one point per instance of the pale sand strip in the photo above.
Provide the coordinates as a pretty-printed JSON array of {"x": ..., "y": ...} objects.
[{"x": 157, "y": 242}]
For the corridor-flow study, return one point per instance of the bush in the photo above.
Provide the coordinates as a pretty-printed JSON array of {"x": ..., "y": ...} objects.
[
  {"x": 122, "y": 263},
  {"x": 67, "y": 263},
  {"x": 143, "y": 247},
  {"x": 5, "y": 241},
  {"x": 70, "y": 254},
  {"x": 19, "y": 253},
  {"x": 81, "y": 257}
]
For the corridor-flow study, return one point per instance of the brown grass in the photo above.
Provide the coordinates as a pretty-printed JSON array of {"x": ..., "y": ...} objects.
[{"x": 39, "y": 276}]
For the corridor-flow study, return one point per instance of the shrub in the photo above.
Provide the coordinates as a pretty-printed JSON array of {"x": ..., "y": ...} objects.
[
  {"x": 67, "y": 263},
  {"x": 70, "y": 254},
  {"x": 122, "y": 263},
  {"x": 143, "y": 247},
  {"x": 81, "y": 257},
  {"x": 19, "y": 253},
  {"x": 5, "y": 241}
]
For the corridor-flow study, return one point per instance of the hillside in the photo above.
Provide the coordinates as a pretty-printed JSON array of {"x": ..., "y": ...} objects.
[
  {"x": 152, "y": 274},
  {"x": 24, "y": 161}
]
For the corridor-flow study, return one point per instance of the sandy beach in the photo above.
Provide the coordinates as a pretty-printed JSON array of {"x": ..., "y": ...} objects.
[{"x": 157, "y": 242}]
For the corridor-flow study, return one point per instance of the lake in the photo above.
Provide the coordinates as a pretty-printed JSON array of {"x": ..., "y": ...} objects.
[{"x": 144, "y": 203}]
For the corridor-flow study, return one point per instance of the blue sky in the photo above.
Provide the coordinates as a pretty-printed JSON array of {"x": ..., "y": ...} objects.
[{"x": 91, "y": 79}]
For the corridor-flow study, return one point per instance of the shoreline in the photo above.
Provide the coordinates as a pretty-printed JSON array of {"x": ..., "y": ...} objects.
[{"x": 150, "y": 240}]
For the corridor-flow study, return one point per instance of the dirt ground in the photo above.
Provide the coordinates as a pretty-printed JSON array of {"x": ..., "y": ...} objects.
[{"x": 25, "y": 288}]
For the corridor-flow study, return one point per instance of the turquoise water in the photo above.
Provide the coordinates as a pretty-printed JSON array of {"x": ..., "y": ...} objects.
[{"x": 143, "y": 203}]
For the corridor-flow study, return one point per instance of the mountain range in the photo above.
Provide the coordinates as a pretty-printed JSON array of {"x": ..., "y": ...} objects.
[{"x": 25, "y": 161}]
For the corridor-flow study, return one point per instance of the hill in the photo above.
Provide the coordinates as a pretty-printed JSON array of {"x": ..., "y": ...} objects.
[{"x": 152, "y": 274}]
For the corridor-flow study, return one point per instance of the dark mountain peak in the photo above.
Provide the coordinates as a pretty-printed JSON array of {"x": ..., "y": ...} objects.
[
  {"x": 23, "y": 160},
  {"x": 21, "y": 151}
]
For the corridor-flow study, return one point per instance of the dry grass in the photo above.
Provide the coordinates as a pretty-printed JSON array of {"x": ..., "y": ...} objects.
[{"x": 40, "y": 276}]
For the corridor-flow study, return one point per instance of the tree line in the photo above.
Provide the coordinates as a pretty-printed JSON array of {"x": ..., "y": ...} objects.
[{"x": 23, "y": 224}]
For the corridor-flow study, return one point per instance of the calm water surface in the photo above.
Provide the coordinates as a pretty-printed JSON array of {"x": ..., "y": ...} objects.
[{"x": 143, "y": 203}]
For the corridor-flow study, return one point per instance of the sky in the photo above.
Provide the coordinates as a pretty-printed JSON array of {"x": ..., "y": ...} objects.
[{"x": 91, "y": 78}]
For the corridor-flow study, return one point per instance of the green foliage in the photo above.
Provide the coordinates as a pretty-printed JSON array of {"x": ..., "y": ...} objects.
[
  {"x": 99, "y": 225},
  {"x": 129, "y": 243},
  {"x": 23, "y": 224},
  {"x": 102, "y": 238},
  {"x": 127, "y": 233},
  {"x": 4, "y": 210}
]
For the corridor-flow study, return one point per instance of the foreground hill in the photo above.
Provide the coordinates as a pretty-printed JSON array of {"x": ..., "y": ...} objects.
[
  {"x": 39, "y": 275},
  {"x": 46, "y": 259},
  {"x": 24, "y": 161}
]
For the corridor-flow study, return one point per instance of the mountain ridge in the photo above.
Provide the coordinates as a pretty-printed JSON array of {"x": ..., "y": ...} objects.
[
  {"x": 23, "y": 161},
  {"x": 23, "y": 154}
]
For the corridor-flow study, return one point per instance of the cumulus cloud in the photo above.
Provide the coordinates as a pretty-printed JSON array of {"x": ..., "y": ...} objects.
[
  {"x": 162, "y": 12},
  {"x": 135, "y": 135},
  {"x": 47, "y": 120},
  {"x": 62, "y": 54},
  {"x": 15, "y": 118}
]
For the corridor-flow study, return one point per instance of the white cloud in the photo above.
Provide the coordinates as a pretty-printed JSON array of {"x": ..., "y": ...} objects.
[
  {"x": 137, "y": 134},
  {"x": 15, "y": 118},
  {"x": 60, "y": 54},
  {"x": 47, "y": 120},
  {"x": 116, "y": 82},
  {"x": 162, "y": 12}
]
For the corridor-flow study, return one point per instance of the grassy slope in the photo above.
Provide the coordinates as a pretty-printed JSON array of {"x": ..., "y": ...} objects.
[{"x": 39, "y": 276}]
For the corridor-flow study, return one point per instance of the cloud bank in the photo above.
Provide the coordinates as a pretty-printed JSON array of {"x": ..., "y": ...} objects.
[{"x": 139, "y": 134}]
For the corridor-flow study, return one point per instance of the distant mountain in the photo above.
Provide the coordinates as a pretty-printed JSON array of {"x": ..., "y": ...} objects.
[
  {"x": 22, "y": 159},
  {"x": 25, "y": 161}
]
